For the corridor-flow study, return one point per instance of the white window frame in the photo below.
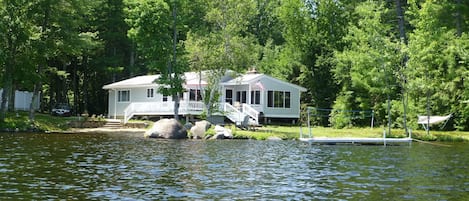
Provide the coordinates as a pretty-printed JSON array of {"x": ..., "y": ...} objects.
[
  {"x": 282, "y": 99},
  {"x": 255, "y": 97},
  {"x": 150, "y": 93},
  {"x": 195, "y": 95},
  {"x": 123, "y": 97}
]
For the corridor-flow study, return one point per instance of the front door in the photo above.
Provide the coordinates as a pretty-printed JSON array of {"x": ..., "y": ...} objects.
[{"x": 229, "y": 96}]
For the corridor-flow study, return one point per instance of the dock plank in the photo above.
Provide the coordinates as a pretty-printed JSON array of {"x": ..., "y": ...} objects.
[{"x": 327, "y": 140}]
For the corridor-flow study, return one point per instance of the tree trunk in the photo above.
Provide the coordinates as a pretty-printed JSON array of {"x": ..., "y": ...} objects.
[
  {"x": 6, "y": 91},
  {"x": 85, "y": 81},
  {"x": 458, "y": 18},
  {"x": 38, "y": 83},
  {"x": 36, "y": 94},
  {"x": 132, "y": 58},
  {"x": 402, "y": 36},
  {"x": 11, "y": 98},
  {"x": 210, "y": 99},
  {"x": 7, "y": 77},
  {"x": 174, "y": 78},
  {"x": 401, "y": 21}
]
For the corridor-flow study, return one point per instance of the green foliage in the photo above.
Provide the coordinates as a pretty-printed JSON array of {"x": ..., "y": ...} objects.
[
  {"x": 18, "y": 121},
  {"x": 211, "y": 131},
  {"x": 225, "y": 46},
  {"x": 346, "y": 53},
  {"x": 437, "y": 64},
  {"x": 312, "y": 31},
  {"x": 149, "y": 22},
  {"x": 368, "y": 66},
  {"x": 340, "y": 119}
]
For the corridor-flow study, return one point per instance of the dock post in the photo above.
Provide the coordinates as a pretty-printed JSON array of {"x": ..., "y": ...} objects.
[
  {"x": 410, "y": 136},
  {"x": 309, "y": 124},
  {"x": 301, "y": 131},
  {"x": 384, "y": 137}
]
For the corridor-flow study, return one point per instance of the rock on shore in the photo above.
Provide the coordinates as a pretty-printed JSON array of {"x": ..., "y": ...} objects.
[
  {"x": 167, "y": 129},
  {"x": 198, "y": 131}
]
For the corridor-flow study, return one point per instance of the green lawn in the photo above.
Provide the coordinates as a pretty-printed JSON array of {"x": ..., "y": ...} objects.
[
  {"x": 293, "y": 132},
  {"x": 43, "y": 122}
]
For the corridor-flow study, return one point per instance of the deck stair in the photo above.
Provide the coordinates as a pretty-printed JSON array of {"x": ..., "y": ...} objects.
[
  {"x": 113, "y": 123},
  {"x": 243, "y": 118}
]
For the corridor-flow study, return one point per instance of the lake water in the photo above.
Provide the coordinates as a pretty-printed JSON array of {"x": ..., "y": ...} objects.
[{"x": 130, "y": 167}]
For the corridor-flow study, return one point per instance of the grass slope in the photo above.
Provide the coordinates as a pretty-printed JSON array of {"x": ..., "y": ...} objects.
[
  {"x": 45, "y": 122},
  {"x": 19, "y": 121},
  {"x": 293, "y": 132}
]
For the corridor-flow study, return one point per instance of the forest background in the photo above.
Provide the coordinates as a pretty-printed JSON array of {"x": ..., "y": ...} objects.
[{"x": 349, "y": 54}]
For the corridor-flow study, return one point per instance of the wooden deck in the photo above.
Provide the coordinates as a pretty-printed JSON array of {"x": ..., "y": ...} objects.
[{"x": 350, "y": 140}]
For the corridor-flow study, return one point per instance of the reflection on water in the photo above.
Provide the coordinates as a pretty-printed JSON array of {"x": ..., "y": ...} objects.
[{"x": 130, "y": 167}]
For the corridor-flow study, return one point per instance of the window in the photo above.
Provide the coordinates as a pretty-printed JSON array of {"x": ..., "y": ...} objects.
[
  {"x": 241, "y": 96},
  {"x": 256, "y": 97},
  {"x": 194, "y": 95},
  {"x": 229, "y": 96},
  {"x": 270, "y": 98},
  {"x": 165, "y": 98},
  {"x": 278, "y": 99},
  {"x": 150, "y": 93},
  {"x": 123, "y": 96}
]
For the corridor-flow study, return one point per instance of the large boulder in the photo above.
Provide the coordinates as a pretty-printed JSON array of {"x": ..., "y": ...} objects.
[
  {"x": 222, "y": 133},
  {"x": 199, "y": 129},
  {"x": 188, "y": 126},
  {"x": 167, "y": 129}
]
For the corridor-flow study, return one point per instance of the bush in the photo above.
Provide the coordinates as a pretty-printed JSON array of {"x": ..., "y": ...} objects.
[{"x": 339, "y": 119}]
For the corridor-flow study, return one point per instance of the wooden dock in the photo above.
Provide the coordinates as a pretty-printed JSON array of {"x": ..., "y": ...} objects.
[{"x": 351, "y": 140}]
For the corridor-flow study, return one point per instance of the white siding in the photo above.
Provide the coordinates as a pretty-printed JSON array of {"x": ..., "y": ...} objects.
[
  {"x": 136, "y": 95},
  {"x": 272, "y": 85},
  {"x": 23, "y": 100}
]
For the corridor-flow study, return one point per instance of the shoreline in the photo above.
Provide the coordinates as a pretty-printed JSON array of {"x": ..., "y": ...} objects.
[
  {"x": 100, "y": 131},
  {"x": 281, "y": 134}
]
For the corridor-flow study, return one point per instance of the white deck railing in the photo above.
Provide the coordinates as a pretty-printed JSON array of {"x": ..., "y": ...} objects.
[
  {"x": 187, "y": 107},
  {"x": 232, "y": 113},
  {"x": 253, "y": 113},
  {"x": 162, "y": 108}
]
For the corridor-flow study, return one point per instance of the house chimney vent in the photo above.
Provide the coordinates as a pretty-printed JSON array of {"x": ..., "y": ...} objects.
[{"x": 252, "y": 71}]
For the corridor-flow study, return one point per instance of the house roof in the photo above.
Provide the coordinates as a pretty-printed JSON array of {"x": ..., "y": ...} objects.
[
  {"x": 192, "y": 78},
  {"x": 139, "y": 81},
  {"x": 253, "y": 78}
]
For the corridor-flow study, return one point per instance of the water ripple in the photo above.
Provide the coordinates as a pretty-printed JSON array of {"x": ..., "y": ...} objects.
[{"x": 129, "y": 167}]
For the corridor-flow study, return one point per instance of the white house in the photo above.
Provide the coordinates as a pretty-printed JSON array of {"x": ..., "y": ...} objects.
[{"x": 257, "y": 96}]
